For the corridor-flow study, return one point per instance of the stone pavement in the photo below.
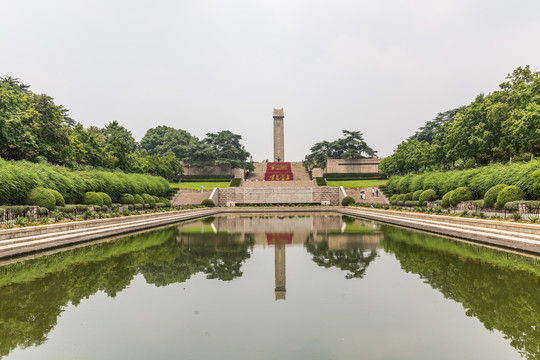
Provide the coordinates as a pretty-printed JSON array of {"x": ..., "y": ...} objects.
[
  {"x": 190, "y": 197},
  {"x": 370, "y": 199}
]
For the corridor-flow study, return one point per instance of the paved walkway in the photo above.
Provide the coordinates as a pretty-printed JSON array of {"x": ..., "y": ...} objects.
[
  {"x": 370, "y": 199},
  {"x": 190, "y": 197}
]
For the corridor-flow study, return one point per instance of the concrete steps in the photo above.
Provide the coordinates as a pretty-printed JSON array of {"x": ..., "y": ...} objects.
[
  {"x": 190, "y": 197},
  {"x": 521, "y": 237},
  {"x": 14, "y": 242}
]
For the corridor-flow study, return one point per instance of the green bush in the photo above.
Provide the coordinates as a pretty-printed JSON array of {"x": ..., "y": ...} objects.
[
  {"x": 509, "y": 193},
  {"x": 126, "y": 198},
  {"x": 59, "y": 198},
  {"x": 20, "y": 177},
  {"x": 321, "y": 181},
  {"x": 393, "y": 199},
  {"x": 156, "y": 198},
  {"x": 348, "y": 200},
  {"x": 149, "y": 199},
  {"x": 208, "y": 203},
  {"x": 416, "y": 195},
  {"x": 41, "y": 197},
  {"x": 512, "y": 205},
  {"x": 106, "y": 199},
  {"x": 412, "y": 203},
  {"x": 427, "y": 195},
  {"x": 460, "y": 194},
  {"x": 236, "y": 182},
  {"x": 165, "y": 201},
  {"x": 92, "y": 198},
  {"x": 490, "y": 197},
  {"x": 479, "y": 203},
  {"x": 137, "y": 199},
  {"x": 445, "y": 201},
  {"x": 408, "y": 196}
]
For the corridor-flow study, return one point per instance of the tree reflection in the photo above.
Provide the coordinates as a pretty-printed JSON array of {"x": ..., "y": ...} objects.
[
  {"x": 33, "y": 293},
  {"x": 501, "y": 290},
  {"x": 355, "y": 261}
]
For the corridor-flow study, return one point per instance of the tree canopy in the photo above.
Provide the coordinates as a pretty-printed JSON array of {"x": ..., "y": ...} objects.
[
  {"x": 351, "y": 146},
  {"x": 494, "y": 127}
]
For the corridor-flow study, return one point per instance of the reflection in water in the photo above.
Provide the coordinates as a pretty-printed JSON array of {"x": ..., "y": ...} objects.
[{"x": 501, "y": 290}]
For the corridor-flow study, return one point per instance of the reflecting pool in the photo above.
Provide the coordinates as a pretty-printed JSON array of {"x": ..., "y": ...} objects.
[{"x": 272, "y": 287}]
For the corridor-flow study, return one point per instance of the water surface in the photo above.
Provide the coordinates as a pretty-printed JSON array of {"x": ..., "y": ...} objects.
[{"x": 268, "y": 287}]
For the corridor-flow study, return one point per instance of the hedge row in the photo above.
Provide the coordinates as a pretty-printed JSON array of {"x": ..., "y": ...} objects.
[
  {"x": 236, "y": 182},
  {"x": 353, "y": 176},
  {"x": 479, "y": 180},
  {"x": 321, "y": 181},
  {"x": 19, "y": 178}
]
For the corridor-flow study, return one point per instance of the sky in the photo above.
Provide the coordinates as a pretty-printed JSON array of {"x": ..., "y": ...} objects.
[{"x": 384, "y": 68}]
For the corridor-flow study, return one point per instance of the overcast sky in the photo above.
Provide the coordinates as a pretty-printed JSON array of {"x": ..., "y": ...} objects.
[{"x": 381, "y": 67}]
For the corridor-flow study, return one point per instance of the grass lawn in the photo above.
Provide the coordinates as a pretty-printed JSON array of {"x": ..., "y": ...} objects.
[
  {"x": 197, "y": 185},
  {"x": 358, "y": 183}
]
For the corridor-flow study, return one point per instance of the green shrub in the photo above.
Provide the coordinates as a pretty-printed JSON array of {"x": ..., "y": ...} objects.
[
  {"x": 126, "y": 198},
  {"x": 490, "y": 197},
  {"x": 479, "y": 203},
  {"x": 41, "y": 197},
  {"x": 321, "y": 181},
  {"x": 393, "y": 199},
  {"x": 92, "y": 198},
  {"x": 445, "y": 201},
  {"x": 460, "y": 194},
  {"x": 408, "y": 196},
  {"x": 236, "y": 182},
  {"x": 509, "y": 193},
  {"x": 427, "y": 195},
  {"x": 165, "y": 201},
  {"x": 106, "y": 199},
  {"x": 155, "y": 198},
  {"x": 59, "y": 198},
  {"x": 137, "y": 199},
  {"x": 348, "y": 200},
  {"x": 416, "y": 195},
  {"x": 208, "y": 203},
  {"x": 149, "y": 199},
  {"x": 412, "y": 203}
]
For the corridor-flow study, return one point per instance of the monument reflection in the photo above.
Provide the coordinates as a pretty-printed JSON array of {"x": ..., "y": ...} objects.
[{"x": 334, "y": 241}]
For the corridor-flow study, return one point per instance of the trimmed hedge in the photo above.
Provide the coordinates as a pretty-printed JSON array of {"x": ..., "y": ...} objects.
[
  {"x": 509, "y": 193},
  {"x": 148, "y": 199},
  {"x": 460, "y": 194},
  {"x": 348, "y": 200},
  {"x": 408, "y": 197},
  {"x": 526, "y": 175},
  {"x": 165, "y": 201},
  {"x": 321, "y": 181},
  {"x": 19, "y": 178},
  {"x": 490, "y": 197},
  {"x": 445, "y": 201},
  {"x": 59, "y": 198},
  {"x": 41, "y": 197},
  {"x": 412, "y": 203},
  {"x": 236, "y": 182},
  {"x": 428, "y": 195},
  {"x": 514, "y": 205},
  {"x": 353, "y": 176},
  {"x": 208, "y": 203},
  {"x": 137, "y": 199},
  {"x": 127, "y": 199},
  {"x": 416, "y": 195},
  {"x": 393, "y": 199},
  {"x": 92, "y": 198},
  {"x": 106, "y": 199},
  {"x": 205, "y": 178},
  {"x": 479, "y": 203}
]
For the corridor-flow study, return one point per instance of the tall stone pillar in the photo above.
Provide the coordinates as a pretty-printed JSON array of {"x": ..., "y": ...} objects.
[
  {"x": 279, "y": 258},
  {"x": 279, "y": 152}
]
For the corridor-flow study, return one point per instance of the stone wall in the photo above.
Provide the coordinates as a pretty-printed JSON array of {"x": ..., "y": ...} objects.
[
  {"x": 279, "y": 195},
  {"x": 357, "y": 166},
  {"x": 217, "y": 170}
]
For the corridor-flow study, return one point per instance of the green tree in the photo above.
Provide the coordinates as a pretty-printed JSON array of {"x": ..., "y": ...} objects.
[
  {"x": 163, "y": 139},
  {"x": 120, "y": 144},
  {"x": 228, "y": 150}
]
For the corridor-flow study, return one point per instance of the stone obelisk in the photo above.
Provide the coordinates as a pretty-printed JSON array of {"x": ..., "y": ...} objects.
[
  {"x": 279, "y": 258},
  {"x": 279, "y": 152}
]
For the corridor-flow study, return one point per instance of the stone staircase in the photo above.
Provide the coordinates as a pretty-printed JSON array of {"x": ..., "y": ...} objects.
[
  {"x": 299, "y": 171},
  {"x": 281, "y": 184},
  {"x": 190, "y": 197},
  {"x": 370, "y": 199},
  {"x": 260, "y": 170}
]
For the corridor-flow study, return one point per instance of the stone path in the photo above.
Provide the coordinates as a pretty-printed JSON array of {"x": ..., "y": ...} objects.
[
  {"x": 370, "y": 199},
  {"x": 190, "y": 197}
]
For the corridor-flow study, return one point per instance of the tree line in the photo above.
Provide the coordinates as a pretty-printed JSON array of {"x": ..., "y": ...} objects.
[
  {"x": 34, "y": 128},
  {"x": 351, "y": 146},
  {"x": 501, "y": 126}
]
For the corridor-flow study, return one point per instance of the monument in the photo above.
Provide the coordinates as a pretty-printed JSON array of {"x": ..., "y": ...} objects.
[{"x": 279, "y": 152}]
